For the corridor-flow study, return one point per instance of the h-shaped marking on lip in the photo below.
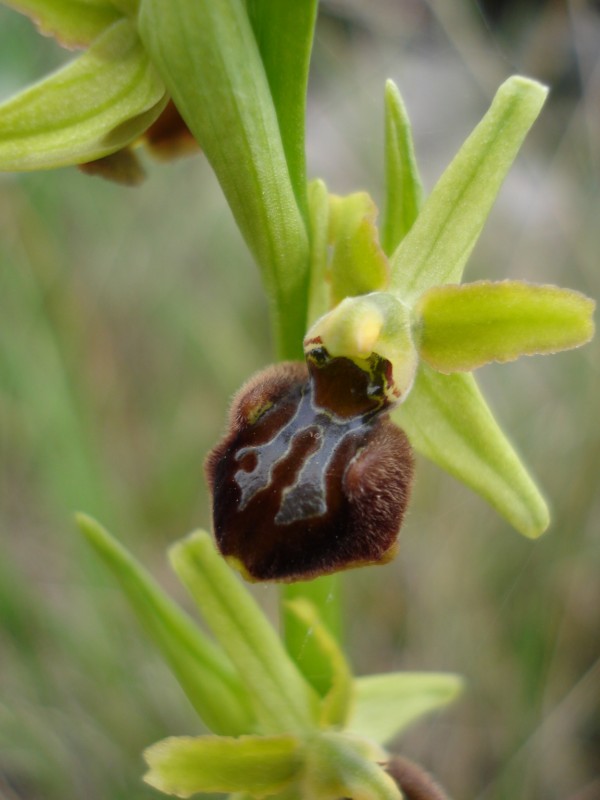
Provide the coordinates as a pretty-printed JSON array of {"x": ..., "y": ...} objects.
[{"x": 306, "y": 496}]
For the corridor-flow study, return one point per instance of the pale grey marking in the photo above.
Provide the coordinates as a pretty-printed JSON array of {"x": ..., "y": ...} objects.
[
  {"x": 276, "y": 448},
  {"x": 306, "y": 497}
]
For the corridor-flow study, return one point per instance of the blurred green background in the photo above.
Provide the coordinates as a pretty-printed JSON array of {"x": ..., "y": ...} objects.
[{"x": 129, "y": 317}]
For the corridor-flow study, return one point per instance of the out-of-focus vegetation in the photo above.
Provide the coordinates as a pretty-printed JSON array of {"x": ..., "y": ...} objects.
[{"x": 127, "y": 319}]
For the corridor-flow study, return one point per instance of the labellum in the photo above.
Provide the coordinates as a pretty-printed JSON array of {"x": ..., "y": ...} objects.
[{"x": 312, "y": 477}]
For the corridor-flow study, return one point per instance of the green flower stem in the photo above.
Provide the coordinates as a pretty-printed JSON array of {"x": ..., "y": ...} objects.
[
  {"x": 208, "y": 57},
  {"x": 284, "y": 33}
]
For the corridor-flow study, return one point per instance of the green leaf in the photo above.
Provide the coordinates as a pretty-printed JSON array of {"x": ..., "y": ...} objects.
[
  {"x": 387, "y": 704},
  {"x": 463, "y": 327},
  {"x": 284, "y": 33},
  {"x": 258, "y": 765},
  {"x": 209, "y": 59},
  {"x": 283, "y": 701},
  {"x": 404, "y": 191},
  {"x": 75, "y": 23},
  {"x": 204, "y": 673},
  {"x": 358, "y": 263},
  {"x": 94, "y": 106},
  {"x": 439, "y": 243},
  {"x": 336, "y": 675},
  {"x": 447, "y": 420}
]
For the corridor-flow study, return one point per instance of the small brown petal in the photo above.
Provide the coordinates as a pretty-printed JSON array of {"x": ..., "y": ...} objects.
[
  {"x": 169, "y": 137},
  {"x": 121, "y": 167}
]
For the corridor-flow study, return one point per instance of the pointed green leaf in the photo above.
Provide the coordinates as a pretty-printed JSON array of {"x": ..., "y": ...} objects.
[
  {"x": 94, "y": 106},
  {"x": 283, "y": 701},
  {"x": 209, "y": 59},
  {"x": 259, "y": 765},
  {"x": 438, "y": 245},
  {"x": 387, "y": 704},
  {"x": 338, "y": 697},
  {"x": 75, "y": 23},
  {"x": 318, "y": 214},
  {"x": 447, "y": 420},
  {"x": 358, "y": 263},
  {"x": 403, "y": 188},
  {"x": 463, "y": 327},
  {"x": 284, "y": 33},
  {"x": 203, "y": 671}
]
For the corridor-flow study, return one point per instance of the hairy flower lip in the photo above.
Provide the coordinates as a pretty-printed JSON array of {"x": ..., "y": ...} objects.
[{"x": 317, "y": 482}]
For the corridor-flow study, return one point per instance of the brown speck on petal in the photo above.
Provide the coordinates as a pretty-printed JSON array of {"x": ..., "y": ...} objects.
[{"x": 413, "y": 781}]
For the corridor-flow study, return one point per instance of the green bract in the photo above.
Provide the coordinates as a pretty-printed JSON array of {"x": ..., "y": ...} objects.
[{"x": 276, "y": 733}]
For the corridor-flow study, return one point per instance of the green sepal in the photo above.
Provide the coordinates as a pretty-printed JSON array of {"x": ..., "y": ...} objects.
[
  {"x": 97, "y": 104},
  {"x": 204, "y": 673},
  {"x": 337, "y": 700},
  {"x": 403, "y": 189},
  {"x": 387, "y": 704},
  {"x": 283, "y": 701},
  {"x": 284, "y": 33},
  {"x": 340, "y": 765},
  {"x": 449, "y": 422},
  {"x": 463, "y": 327},
  {"x": 259, "y": 765},
  {"x": 209, "y": 59},
  {"x": 358, "y": 264},
  {"x": 75, "y": 23},
  {"x": 439, "y": 243}
]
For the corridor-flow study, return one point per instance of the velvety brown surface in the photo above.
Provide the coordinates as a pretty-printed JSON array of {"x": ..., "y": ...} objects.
[{"x": 310, "y": 479}]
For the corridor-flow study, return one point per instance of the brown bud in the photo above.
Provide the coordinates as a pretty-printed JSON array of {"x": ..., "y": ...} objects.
[
  {"x": 312, "y": 477},
  {"x": 413, "y": 781},
  {"x": 169, "y": 137}
]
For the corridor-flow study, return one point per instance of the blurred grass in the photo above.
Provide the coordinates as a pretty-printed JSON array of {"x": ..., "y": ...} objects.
[{"x": 129, "y": 317}]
